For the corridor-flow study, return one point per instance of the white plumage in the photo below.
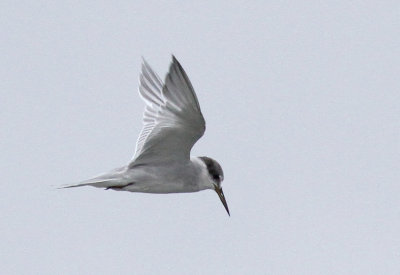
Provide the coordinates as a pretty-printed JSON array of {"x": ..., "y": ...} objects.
[{"x": 172, "y": 124}]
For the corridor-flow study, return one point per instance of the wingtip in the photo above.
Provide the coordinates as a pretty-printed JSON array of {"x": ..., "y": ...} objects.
[
  {"x": 176, "y": 63},
  {"x": 144, "y": 62},
  {"x": 174, "y": 60},
  {"x": 173, "y": 57}
]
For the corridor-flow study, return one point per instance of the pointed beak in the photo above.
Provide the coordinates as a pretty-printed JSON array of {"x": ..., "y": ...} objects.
[{"x": 222, "y": 198}]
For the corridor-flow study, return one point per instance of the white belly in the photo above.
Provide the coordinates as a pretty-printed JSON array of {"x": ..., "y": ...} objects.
[
  {"x": 162, "y": 180},
  {"x": 161, "y": 187}
]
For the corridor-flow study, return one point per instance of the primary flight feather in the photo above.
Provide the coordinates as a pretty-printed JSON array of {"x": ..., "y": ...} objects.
[{"x": 172, "y": 124}]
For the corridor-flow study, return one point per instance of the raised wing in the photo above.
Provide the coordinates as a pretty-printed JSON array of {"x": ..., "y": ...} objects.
[{"x": 172, "y": 117}]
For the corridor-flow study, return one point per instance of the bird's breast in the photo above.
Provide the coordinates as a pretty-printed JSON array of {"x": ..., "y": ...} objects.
[{"x": 163, "y": 179}]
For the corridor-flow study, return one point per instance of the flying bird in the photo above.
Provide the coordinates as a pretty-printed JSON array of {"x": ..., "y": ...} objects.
[{"x": 172, "y": 124}]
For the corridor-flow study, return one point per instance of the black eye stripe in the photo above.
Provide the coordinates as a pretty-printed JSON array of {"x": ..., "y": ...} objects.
[{"x": 214, "y": 169}]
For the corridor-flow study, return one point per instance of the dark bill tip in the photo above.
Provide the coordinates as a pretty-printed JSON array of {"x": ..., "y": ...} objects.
[{"x": 222, "y": 198}]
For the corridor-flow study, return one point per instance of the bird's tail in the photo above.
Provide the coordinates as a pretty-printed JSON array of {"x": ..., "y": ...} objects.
[
  {"x": 99, "y": 184},
  {"x": 108, "y": 180}
]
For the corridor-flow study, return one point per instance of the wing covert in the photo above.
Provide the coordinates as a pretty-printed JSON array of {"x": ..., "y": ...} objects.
[{"x": 172, "y": 119}]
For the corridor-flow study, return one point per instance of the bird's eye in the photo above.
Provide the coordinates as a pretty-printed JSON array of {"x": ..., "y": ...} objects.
[{"x": 216, "y": 177}]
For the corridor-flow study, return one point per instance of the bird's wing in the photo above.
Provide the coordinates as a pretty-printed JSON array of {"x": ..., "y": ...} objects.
[{"x": 172, "y": 117}]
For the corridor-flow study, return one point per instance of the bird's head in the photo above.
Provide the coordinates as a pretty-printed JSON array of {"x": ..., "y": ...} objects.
[{"x": 215, "y": 176}]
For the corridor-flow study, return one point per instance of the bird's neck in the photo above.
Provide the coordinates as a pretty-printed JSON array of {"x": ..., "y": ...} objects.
[{"x": 201, "y": 172}]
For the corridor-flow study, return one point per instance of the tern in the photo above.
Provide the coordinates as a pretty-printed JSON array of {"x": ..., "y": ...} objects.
[{"x": 172, "y": 124}]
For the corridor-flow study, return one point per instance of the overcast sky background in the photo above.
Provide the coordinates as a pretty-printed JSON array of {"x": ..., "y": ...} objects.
[{"x": 302, "y": 108}]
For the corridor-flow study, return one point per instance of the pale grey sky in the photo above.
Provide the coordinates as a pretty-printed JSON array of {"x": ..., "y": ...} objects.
[{"x": 302, "y": 104}]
